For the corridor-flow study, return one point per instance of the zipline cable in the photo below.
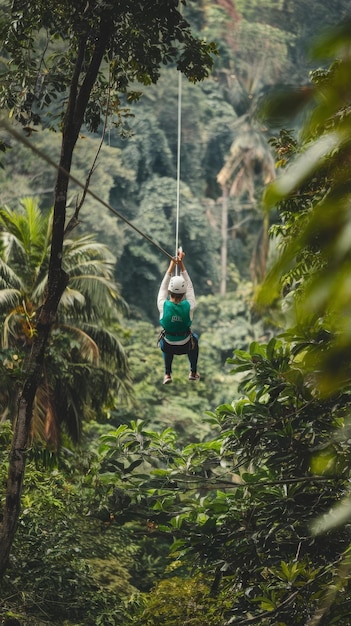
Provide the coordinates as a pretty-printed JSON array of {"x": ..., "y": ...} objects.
[
  {"x": 46, "y": 158},
  {"x": 178, "y": 160}
]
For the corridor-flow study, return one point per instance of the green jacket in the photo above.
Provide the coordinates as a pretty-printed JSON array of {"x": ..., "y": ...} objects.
[{"x": 176, "y": 320}]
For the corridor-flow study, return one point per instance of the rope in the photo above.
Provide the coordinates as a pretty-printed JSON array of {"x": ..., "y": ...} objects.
[
  {"x": 178, "y": 155},
  {"x": 178, "y": 162},
  {"x": 41, "y": 154}
]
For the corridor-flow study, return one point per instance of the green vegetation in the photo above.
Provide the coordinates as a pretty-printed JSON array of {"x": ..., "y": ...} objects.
[
  {"x": 226, "y": 502},
  {"x": 88, "y": 54},
  {"x": 85, "y": 351}
]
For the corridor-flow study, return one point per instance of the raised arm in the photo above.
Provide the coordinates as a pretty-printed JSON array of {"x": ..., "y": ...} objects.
[
  {"x": 190, "y": 293},
  {"x": 163, "y": 291}
]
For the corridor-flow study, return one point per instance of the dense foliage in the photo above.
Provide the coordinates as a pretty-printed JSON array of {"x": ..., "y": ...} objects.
[
  {"x": 240, "y": 506},
  {"x": 137, "y": 172},
  {"x": 85, "y": 350},
  {"x": 90, "y": 54},
  {"x": 225, "y": 504}
]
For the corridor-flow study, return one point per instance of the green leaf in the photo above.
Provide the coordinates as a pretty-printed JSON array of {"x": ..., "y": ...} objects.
[{"x": 303, "y": 167}]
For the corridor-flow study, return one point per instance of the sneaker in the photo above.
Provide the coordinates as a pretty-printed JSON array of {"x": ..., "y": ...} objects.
[
  {"x": 167, "y": 379},
  {"x": 194, "y": 376}
]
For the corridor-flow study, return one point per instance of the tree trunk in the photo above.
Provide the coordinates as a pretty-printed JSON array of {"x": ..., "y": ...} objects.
[
  {"x": 224, "y": 241},
  {"x": 22, "y": 425},
  {"x": 258, "y": 263},
  {"x": 57, "y": 282}
]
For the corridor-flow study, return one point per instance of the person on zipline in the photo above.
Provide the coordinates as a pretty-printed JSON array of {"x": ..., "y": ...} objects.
[{"x": 176, "y": 303}]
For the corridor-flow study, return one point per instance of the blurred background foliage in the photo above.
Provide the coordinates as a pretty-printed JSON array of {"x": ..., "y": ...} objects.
[{"x": 223, "y": 502}]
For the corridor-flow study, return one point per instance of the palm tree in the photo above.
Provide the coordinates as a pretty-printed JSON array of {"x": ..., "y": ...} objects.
[
  {"x": 256, "y": 57},
  {"x": 85, "y": 365}
]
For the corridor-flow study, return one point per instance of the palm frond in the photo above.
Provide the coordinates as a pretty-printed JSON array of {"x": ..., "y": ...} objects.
[
  {"x": 34, "y": 218},
  {"x": 12, "y": 248},
  {"x": 99, "y": 293},
  {"x": 95, "y": 267},
  {"x": 46, "y": 419},
  {"x": 72, "y": 298},
  {"x": 9, "y": 328},
  {"x": 94, "y": 285},
  {"x": 25, "y": 239},
  {"x": 86, "y": 247},
  {"x": 99, "y": 345},
  {"x": 89, "y": 349},
  {"x": 47, "y": 238},
  {"x": 85, "y": 364},
  {"x": 9, "y": 299},
  {"x": 38, "y": 291},
  {"x": 8, "y": 386},
  {"x": 111, "y": 349},
  {"x": 8, "y": 277}
]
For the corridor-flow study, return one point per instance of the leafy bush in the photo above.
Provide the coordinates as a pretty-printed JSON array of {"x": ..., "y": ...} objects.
[{"x": 61, "y": 554}]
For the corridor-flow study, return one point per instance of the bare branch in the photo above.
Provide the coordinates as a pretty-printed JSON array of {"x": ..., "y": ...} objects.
[{"x": 74, "y": 221}]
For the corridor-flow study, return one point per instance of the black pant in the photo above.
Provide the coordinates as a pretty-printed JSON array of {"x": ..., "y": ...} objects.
[{"x": 191, "y": 348}]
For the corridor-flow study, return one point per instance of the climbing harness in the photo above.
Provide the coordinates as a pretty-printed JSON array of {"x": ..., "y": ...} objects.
[{"x": 190, "y": 343}]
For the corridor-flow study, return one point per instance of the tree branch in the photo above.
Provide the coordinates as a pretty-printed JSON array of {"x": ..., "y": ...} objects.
[
  {"x": 258, "y": 618},
  {"x": 74, "y": 221}
]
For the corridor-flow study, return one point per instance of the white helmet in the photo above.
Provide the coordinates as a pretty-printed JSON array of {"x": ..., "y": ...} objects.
[{"x": 177, "y": 285}]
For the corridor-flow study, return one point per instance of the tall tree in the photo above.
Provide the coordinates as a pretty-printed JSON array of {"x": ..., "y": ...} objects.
[
  {"x": 313, "y": 197},
  {"x": 84, "y": 351},
  {"x": 104, "y": 47},
  {"x": 241, "y": 507},
  {"x": 285, "y": 480}
]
